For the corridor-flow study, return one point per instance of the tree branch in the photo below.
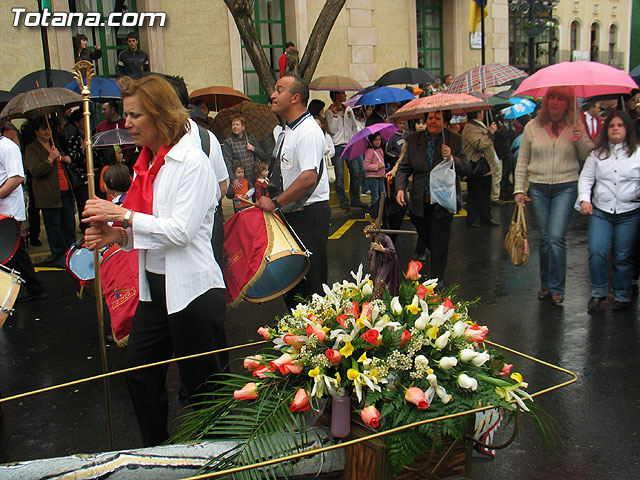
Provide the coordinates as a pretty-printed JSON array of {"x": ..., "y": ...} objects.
[{"x": 318, "y": 39}]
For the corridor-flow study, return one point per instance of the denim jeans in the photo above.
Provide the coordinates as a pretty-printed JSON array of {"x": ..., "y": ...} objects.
[
  {"x": 376, "y": 185},
  {"x": 354, "y": 177},
  {"x": 552, "y": 207},
  {"x": 60, "y": 224},
  {"x": 621, "y": 229}
]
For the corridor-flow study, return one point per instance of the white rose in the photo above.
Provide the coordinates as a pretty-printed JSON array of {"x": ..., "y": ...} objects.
[
  {"x": 421, "y": 361},
  {"x": 448, "y": 362},
  {"x": 465, "y": 381},
  {"x": 421, "y": 322},
  {"x": 442, "y": 340},
  {"x": 437, "y": 318},
  {"x": 396, "y": 308},
  {"x": 367, "y": 289},
  {"x": 459, "y": 328},
  {"x": 480, "y": 359},
  {"x": 467, "y": 354},
  {"x": 433, "y": 380}
]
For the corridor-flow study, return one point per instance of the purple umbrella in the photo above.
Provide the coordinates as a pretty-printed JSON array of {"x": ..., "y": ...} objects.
[{"x": 360, "y": 141}]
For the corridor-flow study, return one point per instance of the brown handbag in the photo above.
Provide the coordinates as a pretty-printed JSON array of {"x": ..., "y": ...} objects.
[{"x": 516, "y": 242}]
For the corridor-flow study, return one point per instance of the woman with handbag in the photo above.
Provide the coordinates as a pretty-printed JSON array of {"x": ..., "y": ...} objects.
[
  {"x": 551, "y": 149},
  {"x": 168, "y": 217},
  {"x": 52, "y": 190},
  {"x": 478, "y": 146},
  {"x": 608, "y": 191}
]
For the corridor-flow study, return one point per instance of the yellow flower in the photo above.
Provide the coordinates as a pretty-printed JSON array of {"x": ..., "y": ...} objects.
[
  {"x": 517, "y": 377},
  {"x": 338, "y": 378},
  {"x": 374, "y": 373},
  {"x": 352, "y": 374},
  {"x": 433, "y": 332},
  {"x": 456, "y": 316},
  {"x": 430, "y": 289},
  {"x": 315, "y": 372},
  {"x": 413, "y": 309},
  {"x": 347, "y": 350},
  {"x": 363, "y": 358},
  {"x": 430, "y": 371},
  {"x": 360, "y": 322},
  {"x": 326, "y": 329}
]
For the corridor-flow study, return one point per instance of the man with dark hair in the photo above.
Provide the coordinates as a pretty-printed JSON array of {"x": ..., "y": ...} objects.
[
  {"x": 591, "y": 119},
  {"x": 12, "y": 205},
  {"x": 112, "y": 119},
  {"x": 303, "y": 182},
  {"x": 289, "y": 50},
  {"x": 448, "y": 78},
  {"x": 133, "y": 61}
]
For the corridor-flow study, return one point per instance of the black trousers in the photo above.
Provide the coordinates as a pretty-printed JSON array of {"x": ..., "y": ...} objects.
[
  {"x": 21, "y": 262},
  {"x": 33, "y": 212},
  {"x": 155, "y": 336},
  {"x": 312, "y": 226},
  {"x": 434, "y": 229},
  {"x": 479, "y": 199},
  {"x": 217, "y": 236}
]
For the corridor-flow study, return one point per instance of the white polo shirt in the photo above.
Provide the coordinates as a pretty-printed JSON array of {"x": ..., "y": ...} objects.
[
  {"x": 303, "y": 150},
  {"x": 11, "y": 166}
]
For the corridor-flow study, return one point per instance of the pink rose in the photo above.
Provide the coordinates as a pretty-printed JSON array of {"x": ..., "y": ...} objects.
[
  {"x": 277, "y": 365},
  {"x": 251, "y": 363},
  {"x": 475, "y": 333},
  {"x": 294, "y": 340},
  {"x": 264, "y": 333},
  {"x": 366, "y": 311},
  {"x": 448, "y": 304},
  {"x": 417, "y": 397},
  {"x": 406, "y": 336},
  {"x": 354, "y": 311},
  {"x": 317, "y": 331},
  {"x": 506, "y": 369},
  {"x": 300, "y": 401},
  {"x": 372, "y": 337},
  {"x": 422, "y": 292},
  {"x": 260, "y": 371},
  {"x": 291, "y": 368},
  {"x": 342, "y": 320},
  {"x": 248, "y": 392},
  {"x": 334, "y": 356},
  {"x": 413, "y": 271},
  {"x": 370, "y": 416}
]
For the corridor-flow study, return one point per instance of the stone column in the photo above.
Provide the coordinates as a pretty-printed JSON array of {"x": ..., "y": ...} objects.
[{"x": 361, "y": 37}]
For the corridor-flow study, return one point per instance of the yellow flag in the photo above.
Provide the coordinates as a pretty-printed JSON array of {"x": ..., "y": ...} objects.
[{"x": 475, "y": 12}]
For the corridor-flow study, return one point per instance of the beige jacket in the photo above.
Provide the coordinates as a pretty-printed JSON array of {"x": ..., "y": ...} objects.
[
  {"x": 478, "y": 143},
  {"x": 547, "y": 160}
]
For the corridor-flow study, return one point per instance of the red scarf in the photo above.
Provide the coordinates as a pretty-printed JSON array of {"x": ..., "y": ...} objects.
[{"x": 140, "y": 196}]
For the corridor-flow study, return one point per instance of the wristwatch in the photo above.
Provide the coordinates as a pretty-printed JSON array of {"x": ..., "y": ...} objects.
[
  {"x": 127, "y": 219},
  {"x": 275, "y": 202}
]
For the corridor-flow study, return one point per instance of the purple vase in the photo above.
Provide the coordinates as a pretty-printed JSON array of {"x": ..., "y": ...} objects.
[{"x": 341, "y": 416}]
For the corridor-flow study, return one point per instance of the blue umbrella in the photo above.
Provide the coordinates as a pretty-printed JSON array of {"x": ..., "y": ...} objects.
[
  {"x": 520, "y": 107},
  {"x": 102, "y": 89},
  {"x": 384, "y": 95}
]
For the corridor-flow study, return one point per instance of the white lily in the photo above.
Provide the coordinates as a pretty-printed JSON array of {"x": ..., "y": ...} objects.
[
  {"x": 465, "y": 381},
  {"x": 322, "y": 383},
  {"x": 396, "y": 307},
  {"x": 438, "y": 317},
  {"x": 432, "y": 282},
  {"x": 467, "y": 354},
  {"x": 447, "y": 363},
  {"x": 422, "y": 321},
  {"x": 442, "y": 340},
  {"x": 421, "y": 362},
  {"x": 480, "y": 359},
  {"x": 436, "y": 389},
  {"x": 459, "y": 328},
  {"x": 367, "y": 288}
]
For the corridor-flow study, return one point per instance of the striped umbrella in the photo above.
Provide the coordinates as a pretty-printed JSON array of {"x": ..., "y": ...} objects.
[
  {"x": 483, "y": 77},
  {"x": 458, "y": 103},
  {"x": 40, "y": 101}
]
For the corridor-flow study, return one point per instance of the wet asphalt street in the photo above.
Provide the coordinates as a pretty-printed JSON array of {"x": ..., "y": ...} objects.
[{"x": 595, "y": 421}]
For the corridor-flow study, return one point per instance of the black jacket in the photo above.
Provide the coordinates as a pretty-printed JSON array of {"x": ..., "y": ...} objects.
[
  {"x": 415, "y": 163},
  {"x": 132, "y": 64}
]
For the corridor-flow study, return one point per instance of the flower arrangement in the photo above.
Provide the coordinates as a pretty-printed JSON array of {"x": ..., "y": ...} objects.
[{"x": 400, "y": 359}]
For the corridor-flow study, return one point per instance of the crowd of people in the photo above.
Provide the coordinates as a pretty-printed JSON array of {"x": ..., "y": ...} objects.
[{"x": 171, "y": 211}]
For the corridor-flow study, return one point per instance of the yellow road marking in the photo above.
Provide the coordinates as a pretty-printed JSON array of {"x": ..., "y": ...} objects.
[{"x": 48, "y": 269}]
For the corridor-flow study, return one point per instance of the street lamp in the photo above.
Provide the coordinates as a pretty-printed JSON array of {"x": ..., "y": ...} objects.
[{"x": 532, "y": 10}]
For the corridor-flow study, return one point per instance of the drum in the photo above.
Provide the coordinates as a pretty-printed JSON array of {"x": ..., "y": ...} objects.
[
  {"x": 263, "y": 258},
  {"x": 287, "y": 262},
  {"x": 9, "y": 288},
  {"x": 9, "y": 238},
  {"x": 79, "y": 263}
]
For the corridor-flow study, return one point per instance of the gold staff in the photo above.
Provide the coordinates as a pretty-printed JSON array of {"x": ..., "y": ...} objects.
[{"x": 86, "y": 92}]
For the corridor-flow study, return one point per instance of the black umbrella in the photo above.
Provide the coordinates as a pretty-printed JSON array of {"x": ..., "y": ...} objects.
[
  {"x": 5, "y": 97},
  {"x": 406, "y": 75},
  {"x": 635, "y": 74},
  {"x": 38, "y": 79}
]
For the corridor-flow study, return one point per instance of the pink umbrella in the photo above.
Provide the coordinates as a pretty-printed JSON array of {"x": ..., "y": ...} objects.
[
  {"x": 587, "y": 79},
  {"x": 360, "y": 141}
]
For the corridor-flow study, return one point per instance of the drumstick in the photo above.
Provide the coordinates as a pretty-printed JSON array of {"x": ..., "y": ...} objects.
[{"x": 246, "y": 200}]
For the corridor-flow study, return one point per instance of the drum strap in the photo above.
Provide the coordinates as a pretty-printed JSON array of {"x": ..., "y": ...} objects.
[
  {"x": 275, "y": 179},
  {"x": 204, "y": 139}
]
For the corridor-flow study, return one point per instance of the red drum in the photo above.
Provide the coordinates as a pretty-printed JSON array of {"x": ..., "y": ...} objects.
[
  {"x": 263, "y": 257},
  {"x": 9, "y": 238}
]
